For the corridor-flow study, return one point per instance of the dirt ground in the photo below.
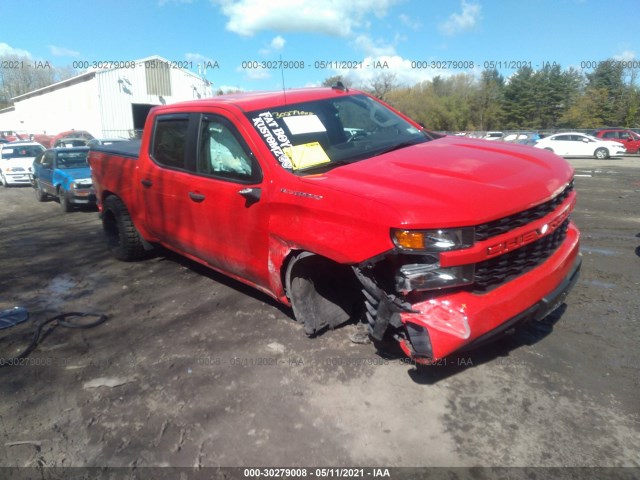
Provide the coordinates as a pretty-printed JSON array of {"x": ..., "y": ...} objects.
[{"x": 193, "y": 369}]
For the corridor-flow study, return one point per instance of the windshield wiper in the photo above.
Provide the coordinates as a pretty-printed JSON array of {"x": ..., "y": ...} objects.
[{"x": 398, "y": 146}]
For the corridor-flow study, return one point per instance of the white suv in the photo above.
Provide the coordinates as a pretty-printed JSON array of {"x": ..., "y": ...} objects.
[{"x": 16, "y": 159}]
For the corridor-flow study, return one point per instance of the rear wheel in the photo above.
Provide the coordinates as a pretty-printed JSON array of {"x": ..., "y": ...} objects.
[
  {"x": 549, "y": 149},
  {"x": 601, "y": 153},
  {"x": 123, "y": 240}
]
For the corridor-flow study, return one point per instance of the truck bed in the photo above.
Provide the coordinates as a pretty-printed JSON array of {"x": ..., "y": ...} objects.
[{"x": 129, "y": 149}]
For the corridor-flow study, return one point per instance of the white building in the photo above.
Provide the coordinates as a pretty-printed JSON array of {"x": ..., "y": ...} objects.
[
  {"x": 110, "y": 102},
  {"x": 7, "y": 119}
]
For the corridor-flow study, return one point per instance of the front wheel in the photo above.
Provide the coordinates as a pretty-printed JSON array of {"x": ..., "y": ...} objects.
[
  {"x": 601, "y": 153},
  {"x": 65, "y": 204},
  {"x": 4, "y": 181},
  {"x": 123, "y": 240},
  {"x": 323, "y": 294}
]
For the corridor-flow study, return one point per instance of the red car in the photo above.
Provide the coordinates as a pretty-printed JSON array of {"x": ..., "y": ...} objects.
[
  {"x": 49, "y": 141},
  {"x": 629, "y": 138},
  {"x": 332, "y": 202}
]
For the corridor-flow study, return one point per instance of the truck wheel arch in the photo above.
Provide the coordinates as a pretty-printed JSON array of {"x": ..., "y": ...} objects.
[{"x": 323, "y": 293}]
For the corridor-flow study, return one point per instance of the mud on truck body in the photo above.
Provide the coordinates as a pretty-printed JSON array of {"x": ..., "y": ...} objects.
[{"x": 341, "y": 207}]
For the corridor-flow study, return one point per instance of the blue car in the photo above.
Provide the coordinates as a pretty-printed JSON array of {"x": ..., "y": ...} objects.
[{"x": 64, "y": 173}]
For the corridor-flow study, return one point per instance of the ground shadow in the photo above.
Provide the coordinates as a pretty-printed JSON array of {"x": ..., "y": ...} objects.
[
  {"x": 201, "y": 269},
  {"x": 497, "y": 350}
]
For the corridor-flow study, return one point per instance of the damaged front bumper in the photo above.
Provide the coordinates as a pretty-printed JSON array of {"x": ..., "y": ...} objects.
[{"x": 438, "y": 324}]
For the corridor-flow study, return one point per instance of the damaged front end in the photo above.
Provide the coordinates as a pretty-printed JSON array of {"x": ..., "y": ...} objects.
[
  {"x": 414, "y": 273},
  {"x": 439, "y": 291}
]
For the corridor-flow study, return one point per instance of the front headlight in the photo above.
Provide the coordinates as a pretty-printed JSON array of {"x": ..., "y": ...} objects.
[
  {"x": 440, "y": 240},
  {"x": 429, "y": 275},
  {"x": 419, "y": 277}
]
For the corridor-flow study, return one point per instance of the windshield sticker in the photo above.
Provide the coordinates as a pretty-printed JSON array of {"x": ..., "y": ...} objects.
[
  {"x": 306, "y": 155},
  {"x": 304, "y": 124},
  {"x": 291, "y": 113},
  {"x": 275, "y": 136}
]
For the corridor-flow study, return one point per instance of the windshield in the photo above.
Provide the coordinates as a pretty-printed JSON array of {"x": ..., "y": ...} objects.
[
  {"x": 331, "y": 132},
  {"x": 26, "y": 151},
  {"x": 72, "y": 160}
]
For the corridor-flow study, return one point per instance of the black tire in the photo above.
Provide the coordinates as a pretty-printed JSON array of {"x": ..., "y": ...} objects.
[
  {"x": 4, "y": 181},
  {"x": 123, "y": 240},
  {"x": 601, "y": 153},
  {"x": 65, "y": 204},
  {"x": 323, "y": 294},
  {"x": 549, "y": 149},
  {"x": 41, "y": 196}
]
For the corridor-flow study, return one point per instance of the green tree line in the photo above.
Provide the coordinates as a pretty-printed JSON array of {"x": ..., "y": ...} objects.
[{"x": 543, "y": 99}]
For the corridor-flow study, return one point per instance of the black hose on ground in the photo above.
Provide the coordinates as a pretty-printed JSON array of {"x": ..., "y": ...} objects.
[{"x": 64, "y": 320}]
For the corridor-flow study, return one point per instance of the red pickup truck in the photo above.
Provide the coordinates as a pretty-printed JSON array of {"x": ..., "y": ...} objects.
[{"x": 336, "y": 204}]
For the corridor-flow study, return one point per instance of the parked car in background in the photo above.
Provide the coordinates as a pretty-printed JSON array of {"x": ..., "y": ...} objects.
[
  {"x": 105, "y": 141},
  {"x": 49, "y": 141},
  {"x": 65, "y": 174},
  {"x": 13, "y": 136},
  {"x": 16, "y": 160},
  {"x": 628, "y": 138},
  {"x": 70, "y": 142},
  {"x": 575, "y": 144},
  {"x": 522, "y": 137},
  {"x": 494, "y": 136}
]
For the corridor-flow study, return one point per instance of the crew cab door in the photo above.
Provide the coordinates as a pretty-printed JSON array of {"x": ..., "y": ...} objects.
[{"x": 203, "y": 194}]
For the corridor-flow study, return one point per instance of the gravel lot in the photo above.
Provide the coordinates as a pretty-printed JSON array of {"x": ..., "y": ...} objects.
[{"x": 193, "y": 369}]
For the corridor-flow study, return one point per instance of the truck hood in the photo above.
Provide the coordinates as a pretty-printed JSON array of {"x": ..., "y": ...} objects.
[
  {"x": 452, "y": 182},
  {"x": 75, "y": 173}
]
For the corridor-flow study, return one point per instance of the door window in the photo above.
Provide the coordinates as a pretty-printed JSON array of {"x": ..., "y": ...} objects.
[
  {"x": 47, "y": 160},
  {"x": 222, "y": 153},
  {"x": 170, "y": 140}
]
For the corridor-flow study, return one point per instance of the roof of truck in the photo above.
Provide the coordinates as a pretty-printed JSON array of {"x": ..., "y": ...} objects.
[{"x": 250, "y": 101}]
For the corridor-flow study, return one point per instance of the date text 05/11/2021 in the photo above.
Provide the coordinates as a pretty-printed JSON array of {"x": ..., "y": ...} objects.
[{"x": 326, "y": 472}]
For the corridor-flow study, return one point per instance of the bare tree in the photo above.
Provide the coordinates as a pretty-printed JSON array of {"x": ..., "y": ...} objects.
[
  {"x": 382, "y": 84},
  {"x": 23, "y": 75}
]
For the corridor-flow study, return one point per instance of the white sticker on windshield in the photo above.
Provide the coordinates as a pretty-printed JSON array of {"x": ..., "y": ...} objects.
[{"x": 304, "y": 124}]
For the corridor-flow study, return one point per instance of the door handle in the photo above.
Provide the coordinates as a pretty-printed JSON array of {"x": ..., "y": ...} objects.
[
  {"x": 146, "y": 183},
  {"x": 251, "y": 194},
  {"x": 196, "y": 197}
]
